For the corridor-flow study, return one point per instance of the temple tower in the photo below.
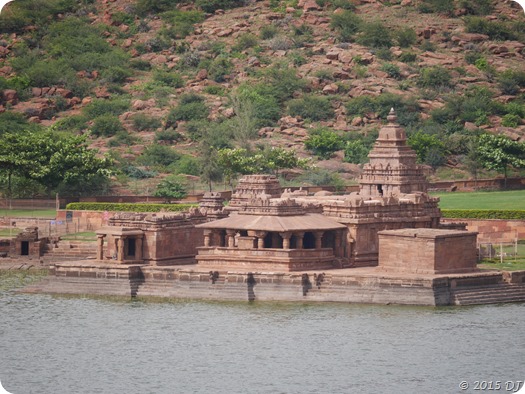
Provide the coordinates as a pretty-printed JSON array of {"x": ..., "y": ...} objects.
[{"x": 392, "y": 169}]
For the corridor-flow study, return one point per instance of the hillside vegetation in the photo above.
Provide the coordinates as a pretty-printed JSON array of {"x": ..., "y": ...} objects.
[{"x": 190, "y": 94}]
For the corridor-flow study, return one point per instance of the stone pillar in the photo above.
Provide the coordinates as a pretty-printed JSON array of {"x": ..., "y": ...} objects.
[
  {"x": 120, "y": 246},
  {"x": 300, "y": 239},
  {"x": 230, "y": 235},
  {"x": 318, "y": 239},
  {"x": 260, "y": 239},
  {"x": 100, "y": 247},
  {"x": 138, "y": 248},
  {"x": 338, "y": 247},
  {"x": 207, "y": 238},
  {"x": 286, "y": 239}
]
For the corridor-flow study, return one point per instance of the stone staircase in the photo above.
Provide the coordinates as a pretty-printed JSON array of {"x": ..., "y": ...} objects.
[
  {"x": 70, "y": 250},
  {"x": 477, "y": 295}
]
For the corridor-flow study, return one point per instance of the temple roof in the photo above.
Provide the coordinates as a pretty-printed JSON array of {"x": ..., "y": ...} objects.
[{"x": 306, "y": 222}]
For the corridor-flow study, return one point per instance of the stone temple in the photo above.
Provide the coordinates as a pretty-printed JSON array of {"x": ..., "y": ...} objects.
[
  {"x": 293, "y": 231},
  {"x": 264, "y": 228},
  {"x": 381, "y": 244}
]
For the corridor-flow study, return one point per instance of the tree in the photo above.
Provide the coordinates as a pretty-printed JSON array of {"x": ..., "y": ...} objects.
[
  {"x": 429, "y": 147},
  {"x": 51, "y": 159},
  {"x": 266, "y": 160},
  {"x": 171, "y": 189},
  {"x": 275, "y": 159},
  {"x": 472, "y": 158},
  {"x": 236, "y": 161},
  {"x": 498, "y": 152},
  {"x": 210, "y": 170},
  {"x": 356, "y": 152},
  {"x": 323, "y": 142}
]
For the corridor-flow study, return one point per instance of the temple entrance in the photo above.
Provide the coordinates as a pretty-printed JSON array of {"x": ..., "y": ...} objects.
[
  {"x": 131, "y": 247},
  {"x": 380, "y": 189},
  {"x": 24, "y": 248}
]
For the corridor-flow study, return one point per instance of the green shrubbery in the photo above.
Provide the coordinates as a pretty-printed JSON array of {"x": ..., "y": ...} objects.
[
  {"x": 510, "y": 81},
  {"x": 170, "y": 136},
  {"x": 142, "y": 122},
  {"x": 314, "y": 108},
  {"x": 483, "y": 214},
  {"x": 106, "y": 126},
  {"x": 347, "y": 24},
  {"x": 168, "y": 78},
  {"x": 406, "y": 37},
  {"x": 24, "y": 13},
  {"x": 407, "y": 110},
  {"x": 495, "y": 30},
  {"x": 436, "y": 77},
  {"x": 214, "y": 5},
  {"x": 219, "y": 68},
  {"x": 181, "y": 22},
  {"x": 100, "y": 107},
  {"x": 125, "y": 207},
  {"x": 375, "y": 34},
  {"x": 14, "y": 122},
  {"x": 510, "y": 120},
  {"x": 475, "y": 106},
  {"x": 245, "y": 41},
  {"x": 392, "y": 70},
  {"x": 158, "y": 156},
  {"x": 438, "y": 6},
  {"x": 430, "y": 148},
  {"x": 191, "y": 107},
  {"x": 323, "y": 142}
]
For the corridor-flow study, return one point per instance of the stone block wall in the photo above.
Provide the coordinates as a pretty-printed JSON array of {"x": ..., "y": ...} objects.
[
  {"x": 494, "y": 230},
  {"x": 172, "y": 245},
  {"x": 427, "y": 251}
]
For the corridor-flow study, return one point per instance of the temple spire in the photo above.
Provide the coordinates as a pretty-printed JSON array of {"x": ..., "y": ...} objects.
[
  {"x": 392, "y": 169},
  {"x": 392, "y": 117}
]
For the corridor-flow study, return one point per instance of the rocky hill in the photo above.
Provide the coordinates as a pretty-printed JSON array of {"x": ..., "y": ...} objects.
[{"x": 163, "y": 86}]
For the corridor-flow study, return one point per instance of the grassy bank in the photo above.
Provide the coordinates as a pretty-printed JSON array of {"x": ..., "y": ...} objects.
[
  {"x": 29, "y": 213},
  {"x": 514, "y": 199},
  {"x": 12, "y": 279}
]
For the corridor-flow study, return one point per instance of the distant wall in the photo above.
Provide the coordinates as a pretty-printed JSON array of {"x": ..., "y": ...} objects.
[
  {"x": 85, "y": 220},
  {"x": 480, "y": 184},
  {"x": 494, "y": 230}
]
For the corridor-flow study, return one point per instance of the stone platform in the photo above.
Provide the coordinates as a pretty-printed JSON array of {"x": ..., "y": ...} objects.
[{"x": 354, "y": 285}]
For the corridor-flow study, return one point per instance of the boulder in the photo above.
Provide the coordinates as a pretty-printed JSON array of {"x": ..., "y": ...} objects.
[
  {"x": 202, "y": 74},
  {"x": 331, "y": 89},
  {"x": 10, "y": 96},
  {"x": 311, "y": 5}
]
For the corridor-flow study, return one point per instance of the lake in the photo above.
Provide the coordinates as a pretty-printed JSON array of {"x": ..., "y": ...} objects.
[{"x": 79, "y": 345}]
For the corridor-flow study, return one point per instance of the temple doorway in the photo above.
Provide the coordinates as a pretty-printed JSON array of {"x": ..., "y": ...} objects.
[
  {"x": 131, "y": 247},
  {"x": 24, "y": 248}
]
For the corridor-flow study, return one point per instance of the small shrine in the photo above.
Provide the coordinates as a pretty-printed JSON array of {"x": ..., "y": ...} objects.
[
  {"x": 27, "y": 244},
  {"x": 154, "y": 239}
]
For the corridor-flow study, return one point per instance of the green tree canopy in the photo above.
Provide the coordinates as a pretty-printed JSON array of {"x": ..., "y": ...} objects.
[
  {"x": 498, "y": 152},
  {"x": 51, "y": 159},
  {"x": 240, "y": 161},
  {"x": 427, "y": 146},
  {"x": 171, "y": 189}
]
